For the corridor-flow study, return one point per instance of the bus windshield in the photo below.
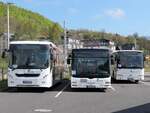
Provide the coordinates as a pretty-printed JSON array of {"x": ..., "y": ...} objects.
[
  {"x": 91, "y": 67},
  {"x": 130, "y": 60},
  {"x": 27, "y": 56}
]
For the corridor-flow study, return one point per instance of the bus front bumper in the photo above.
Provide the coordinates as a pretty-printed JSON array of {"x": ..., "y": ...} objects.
[
  {"x": 90, "y": 83},
  {"x": 32, "y": 82}
]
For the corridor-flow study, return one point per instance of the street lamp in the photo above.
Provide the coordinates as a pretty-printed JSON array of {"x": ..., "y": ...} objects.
[
  {"x": 65, "y": 45},
  {"x": 8, "y": 25}
]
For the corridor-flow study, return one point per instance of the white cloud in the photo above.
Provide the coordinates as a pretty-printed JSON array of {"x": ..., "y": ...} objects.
[{"x": 115, "y": 13}]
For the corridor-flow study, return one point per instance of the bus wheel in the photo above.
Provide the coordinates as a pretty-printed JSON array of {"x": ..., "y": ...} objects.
[
  {"x": 19, "y": 88},
  {"x": 103, "y": 89},
  {"x": 136, "y": 81}
]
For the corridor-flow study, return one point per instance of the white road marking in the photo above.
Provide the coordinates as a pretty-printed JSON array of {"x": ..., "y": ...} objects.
[
  {"x": 112, "y": 88},
  {"x": 145, "y": 83},
  {"x": 43, "y": 110},
  {"x": 59, "y": 93}
]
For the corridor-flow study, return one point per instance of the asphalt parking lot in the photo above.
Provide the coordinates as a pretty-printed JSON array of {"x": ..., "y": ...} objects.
[{"x": 123, "y": 97}]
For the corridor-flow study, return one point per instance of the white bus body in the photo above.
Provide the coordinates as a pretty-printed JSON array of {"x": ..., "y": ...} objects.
[
  {"x": 33, "y": 64},
  {"x": 129, "y": 65},
  {"x": 91, "y": 68}
]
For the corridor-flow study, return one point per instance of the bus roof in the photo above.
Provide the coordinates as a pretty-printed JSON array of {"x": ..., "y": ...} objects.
[
  {"x": 33, "y": 42},
  {"x": 90, "y": 49},
  {"x": 37, "y": 42},
  {"x": 127, "y": 51}
]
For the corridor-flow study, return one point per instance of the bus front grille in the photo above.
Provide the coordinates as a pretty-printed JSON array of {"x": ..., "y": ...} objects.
[{"x": 27, "y": 75}]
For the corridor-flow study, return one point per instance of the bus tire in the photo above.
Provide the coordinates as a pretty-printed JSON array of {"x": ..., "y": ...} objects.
[
  {"x": 19, "y": 88},
  {"x": 136, "y": 81},
  {"x": 103, "y": 89}
]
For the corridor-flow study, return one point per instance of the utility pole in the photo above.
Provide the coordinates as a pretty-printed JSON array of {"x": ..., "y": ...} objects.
[
  {"x": 135, "y": 35},
  {"x": 8, "y": 27},
  {"x": 65, "y": 45},
  {"x": 135, "y": 43}
]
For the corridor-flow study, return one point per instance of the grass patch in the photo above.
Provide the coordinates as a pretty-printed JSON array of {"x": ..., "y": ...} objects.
[
  {"x": 147, "y": 67},
  {"x": 3, "y": 84},
  {"x": 3, "y": 63},
  {"x": 67, "y": 74}
]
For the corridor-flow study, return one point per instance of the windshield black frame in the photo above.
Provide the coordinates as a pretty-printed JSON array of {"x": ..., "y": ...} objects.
[
  {"x": 29, "y": 56},
  {"x": 130, "y": 59},
  {"x": 96, "y": 60}
]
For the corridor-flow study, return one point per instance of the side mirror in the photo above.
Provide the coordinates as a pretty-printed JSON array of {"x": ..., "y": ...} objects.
[
  {"x": 68, "y": 61},
  {"x": 144, "y": 58},
  {"x": 4, "y": 54},
  {"x": 112, "y": 60},
  {"x": 52, "y": 56}
]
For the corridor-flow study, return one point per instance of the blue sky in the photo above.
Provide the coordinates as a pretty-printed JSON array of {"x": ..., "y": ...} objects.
[{"x": 117, "y": 16}]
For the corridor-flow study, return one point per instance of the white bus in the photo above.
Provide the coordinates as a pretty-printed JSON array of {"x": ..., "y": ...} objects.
[
  {"x": 129, "y": 65},
  {"x": 91, "y": 68},
  {"x": 34, "y": 64}
]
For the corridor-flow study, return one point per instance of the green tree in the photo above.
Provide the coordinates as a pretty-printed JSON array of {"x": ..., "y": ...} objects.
[{"x": 55, "y": 32}]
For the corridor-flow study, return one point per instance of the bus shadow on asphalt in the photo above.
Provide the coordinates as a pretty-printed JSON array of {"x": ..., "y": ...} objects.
[
  {"x": 23, "y": 90},
  {"x": 138, "y": 109},
  {"x": 32, "y": 89},
  {"x": 59, "y": 86},
  {"x": 123, "y": 82},
  {"x": 85, "y": 90}
]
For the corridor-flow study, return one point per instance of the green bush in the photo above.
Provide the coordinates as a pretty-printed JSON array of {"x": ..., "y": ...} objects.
[{"x": 3, "y": 63}]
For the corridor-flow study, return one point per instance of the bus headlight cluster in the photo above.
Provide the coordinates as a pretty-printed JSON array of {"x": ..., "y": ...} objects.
[
  {"x": 10, "y": 75},
  {"x": 45, "y": 76},
  {"x": 107, "y": 82},
  {"x": 73, "y": 72}
]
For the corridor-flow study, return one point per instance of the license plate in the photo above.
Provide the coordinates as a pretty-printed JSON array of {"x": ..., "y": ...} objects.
[
  {"x": 83, "y": 80},
  {"x": 27, "y": 82},
  {"x": 90, "y": 86}
]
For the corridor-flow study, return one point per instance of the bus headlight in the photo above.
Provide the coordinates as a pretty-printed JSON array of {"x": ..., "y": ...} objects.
[
  {"x": 119, "y": 75},
  {"x": 45, "y": 76},
  {"x": 10, "y": 75},
  {"x": 107, "y": 82},
  {"x": 73, "y": 72},
  {"x": 74, "y": 82}
]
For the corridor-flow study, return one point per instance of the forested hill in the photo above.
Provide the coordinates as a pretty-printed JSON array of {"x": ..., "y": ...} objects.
[{"x": 27, "y": 25}]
